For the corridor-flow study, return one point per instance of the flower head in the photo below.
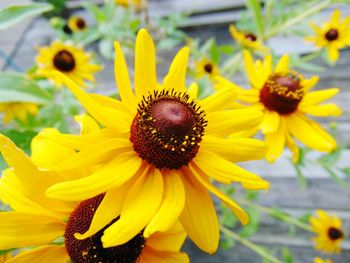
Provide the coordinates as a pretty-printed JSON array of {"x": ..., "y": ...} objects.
[
  {"x": 42, "y": 222},
  {"x": 19, "y": 110},
  {"x": 76, "y": 24},
  {"x": 160, "y": 144},
  {"x": 284, "y": 96},
  {"x": 332, "y": 35},
  {"x": 70, "y": 60},
  {"x": 247, "y": 39},
  {"x": 328, "y": 229},
  {"x": 206, "y": 67}
]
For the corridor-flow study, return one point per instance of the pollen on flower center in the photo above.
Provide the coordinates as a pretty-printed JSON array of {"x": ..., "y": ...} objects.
[
  {"x": 208, "y": 68},
  {"x": 167, "y": 129},
  {"x": 335, "y": 233},
  {"x": 64, "y": 61},
  {"x": 251, "y": 37},
  {"x": 91, "y": 249},
  {"x": 282, "y": 93},
  {"x": 332, "y": 34}
]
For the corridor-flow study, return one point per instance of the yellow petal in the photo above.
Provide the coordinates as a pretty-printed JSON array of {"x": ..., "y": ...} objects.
[
  {"x": 307, "y": 84},
  {"x": 199, "y": 217},
  {"x": 333, "y": 54},
  {"x": 145, "y": 64},
  {"x": 87, "y": 124},
  {"x": 270, "y": 123},
  {"x": 150, "y": 255},
  {"x": 140, "y": 205},
  {"x": 328, "y": 109},
  {"x": 250, "y": 69},
  {"x": 220, "y": 100},
  {"x": 283, "y": 64},
  {"x": 335, "y": 19},
  {"x": 177, "y": 73},
  {"x": 316, "y": 97},
  {"x": 42, "y": 254},
  {"x": 115, "y": 173},
  {"x": 171, "y": 207},
  {"x": 193, "y": 91},
  {"x": 293, "y": 147},
  {"x": 235, "y": 149},
  {"x": 276, "y": 141}
]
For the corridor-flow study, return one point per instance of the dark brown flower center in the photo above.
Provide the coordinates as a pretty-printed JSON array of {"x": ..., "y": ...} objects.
[
  {"x": 282, "y": 93},
  {"x": 251, "y": 37},
  {"x": 167, "y": 129},
  {"x": 332, "y": 34},
  {"x": 81, "y": 23},
  {"x": 335, "y": 233},
  {"x": 91, "y": 249},
  {"x": 64, "y": 61},
  {"x": 208, "y": 68}
]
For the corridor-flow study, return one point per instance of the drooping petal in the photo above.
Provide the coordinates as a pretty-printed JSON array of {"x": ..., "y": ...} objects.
[
  {"x": 42, "y": 254},
  {"x": 150, "y": 255},
  {"x": 333, "y": 54},
  {"x": 328, "y": 109},
  {"x": 87, "y": 124},
  {"x": 220, "y": 100},
  {"x": 270, "y": 123},
  {"x": 276, "y": 141},
  {"x": 316, "y": 97}
]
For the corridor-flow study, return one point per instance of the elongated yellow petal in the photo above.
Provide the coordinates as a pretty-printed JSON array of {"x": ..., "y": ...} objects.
[
  {"x": 150, "y": 255},
  {"x": 276, "y": 141},
  {"x": 145, "y": 64},
  {"x": 25, "y": 229},
  {"x": 140, "y": 205},
  {"x": 333, "y": 54},
  {"x": 307, "y": 84},
  {"x": 113, "y": 104},
  {"x": 220, "y": 100},
  {"x": 115, "y": 173},
  {"x": 87, "y": 124},
  {"x": 250, "y": 69},
  {"x": 199, "y": 217},
  {"x": 270, "y": 123},
  {"x": 42, "y": 254},
  {"x": 328, "y": 109},
  {"x": 171, "y": 207},
  {"x": 293, "y": 147},
  {"x": 193, "y": 91},
  {"x": 235, "y": 149},
  {"x": 316, "y": 97},
  {"x": 283, "y": 64},
  {"x": 123, "y": 80},
  {"x": 176, "y": 77}
]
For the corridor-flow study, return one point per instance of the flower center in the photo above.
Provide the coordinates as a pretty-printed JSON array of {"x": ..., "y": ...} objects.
[
  {"x": 251, "y": 37},
  {"x": 64, "y": 61},
  {"x": 208, "y": 68},
  {"x": 335, "y": 233},
  {"x": 81, "y": 23},
  {"x": 282, "y": 93},
  {"x": 332, "y": 34},
  {"x": 167, "y": 129},
  {"x": 91, "y": 249}
]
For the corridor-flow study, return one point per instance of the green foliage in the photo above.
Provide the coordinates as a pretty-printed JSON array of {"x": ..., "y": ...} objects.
[
  {"x": 255, "y": 8},
  {"x": 12, "y": 15},
  {"x": 287, "y": 255}
]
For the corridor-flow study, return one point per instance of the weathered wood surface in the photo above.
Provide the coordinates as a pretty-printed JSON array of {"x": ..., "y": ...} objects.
[{"x": 284, "y": 192}]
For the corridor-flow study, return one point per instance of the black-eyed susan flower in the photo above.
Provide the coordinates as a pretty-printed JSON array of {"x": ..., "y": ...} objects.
[
  {"x": 320, "y": 260},
  {"x": 18, "y": 110},
  {"x": 76, "y": 24},
  {"x": 328, "y": 230},
  {"x": 161, "y": 145},
  {"x": 206, "y": 67},
  {"x": 247, "y": 40},
  {"x": 68, "y": 59},
  {"x": 50, "y": 225},
  {"x": 332, "y": 35},
  {"x": 284, "y": 96}
]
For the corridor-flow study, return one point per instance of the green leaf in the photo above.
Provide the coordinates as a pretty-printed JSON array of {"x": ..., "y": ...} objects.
[
  {"x": 346, "y": 171},
  {"x": 11, "y": 15},
  {"x": 15, "y": 87},
  {"x": 255, "y": 8},
  {"x": 95, "y": 11},
  {"x": 21, "y": 138},
  {"x": 330, "y": 159},
  {"x": 287, "y": 255}
]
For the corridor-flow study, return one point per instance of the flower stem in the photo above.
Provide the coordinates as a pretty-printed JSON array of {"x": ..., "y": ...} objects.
[
  {"x": 231, "y": 64},
  {"x": 259, "y": 250}
]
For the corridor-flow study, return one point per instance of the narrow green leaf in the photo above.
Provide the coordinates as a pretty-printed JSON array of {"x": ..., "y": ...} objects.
[
  {"x": 14, "y": 14},
  {"x": 255, "y": 8}
]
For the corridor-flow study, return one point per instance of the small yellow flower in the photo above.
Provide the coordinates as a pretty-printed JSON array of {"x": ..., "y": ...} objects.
[
  {"x": 332, "y": 35},
  {"x": 247, "y": 40},
  {"x": 328, "y": 229},
  {"x": 19, "y": 110},
  {"x": 206, "y": 67},
  {"x": 285, "y": 99},
  {"x": 320, "y": 260},
  {"x": 68, "y": 59},
  {"x": 139, "y": 4},
  {"x": 77, "y": 23}
]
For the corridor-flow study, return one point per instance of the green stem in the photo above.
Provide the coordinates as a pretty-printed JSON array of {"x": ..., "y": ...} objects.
[
  {"x": 314, "y": 9},
  {"x": 232, "y": 63},
  {"x": 259, "y": 250},
  {"x": 310, "y": 56}
]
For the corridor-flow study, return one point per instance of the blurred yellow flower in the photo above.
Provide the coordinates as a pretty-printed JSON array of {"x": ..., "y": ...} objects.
[
  {"x": 5, "y": 257},
  {"x": 206, "y": 67},
  {"x": 247, "y": 40},
  {"x": 68, "y": 59},
  {"x": 77, "y": 23},
  {"x": 285, "y": 99},
  {"x": 320, "y": 260},
  {"x": 332, "y": 35},
  {"x": 139, "y": 4},
  {"x": 328, "y": 229},
  {"x": 19, "y": 110}
]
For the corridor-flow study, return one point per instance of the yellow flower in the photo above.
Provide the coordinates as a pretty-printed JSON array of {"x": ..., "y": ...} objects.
[
  {"x": 70, "y": 60},
  {"x": 19, "y": 110},
  {"x": 136, "y": 3},
  {"x": 285, "y": 98},
  {"x": 206, "y": 67},
  {"x": 5, "y": 257},
  {"x": 50, "y": 224},
  {"x": 320, "y": 260},
  {"x": 77, "y": 23},
  {"x": 247, "y": 40},
  {"x": 328, "y": 229},
  {"x": 332, "y": 35},
  {"x": 160, "y": 146}
]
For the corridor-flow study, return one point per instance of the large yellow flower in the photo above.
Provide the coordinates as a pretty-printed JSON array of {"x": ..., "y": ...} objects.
[
  {"x": 19, "y": 110},
  {"x": 285, "y": 98},
  {"x": 320, "y": 260},
  {"x": 328, "y": 229},
  {"x": 68, "y": 59},
  {"x": 247, "y": 40},
  {"x": 43, "y": 222},
  {"x": 332, "y": 35},
  {"x": 161, "y": 146}
]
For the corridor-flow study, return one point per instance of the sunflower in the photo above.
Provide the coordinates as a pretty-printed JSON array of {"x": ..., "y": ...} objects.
[
  {"x": 50, "y": 224},
  {"x": 328, "y": 229},
  {"x": 284, "y": 96},
  {"x": 19, "y": 110},
  {"x": 160, "y": 145},
  {"x": 320, "y": 260},
  {"x": 247, "y": 39},
  {"x": 332, "y": 35},
  {"x": 76, "y": 24},
  {"x": 206, "y": 67},
  {"x": 70, "y": 60}
]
